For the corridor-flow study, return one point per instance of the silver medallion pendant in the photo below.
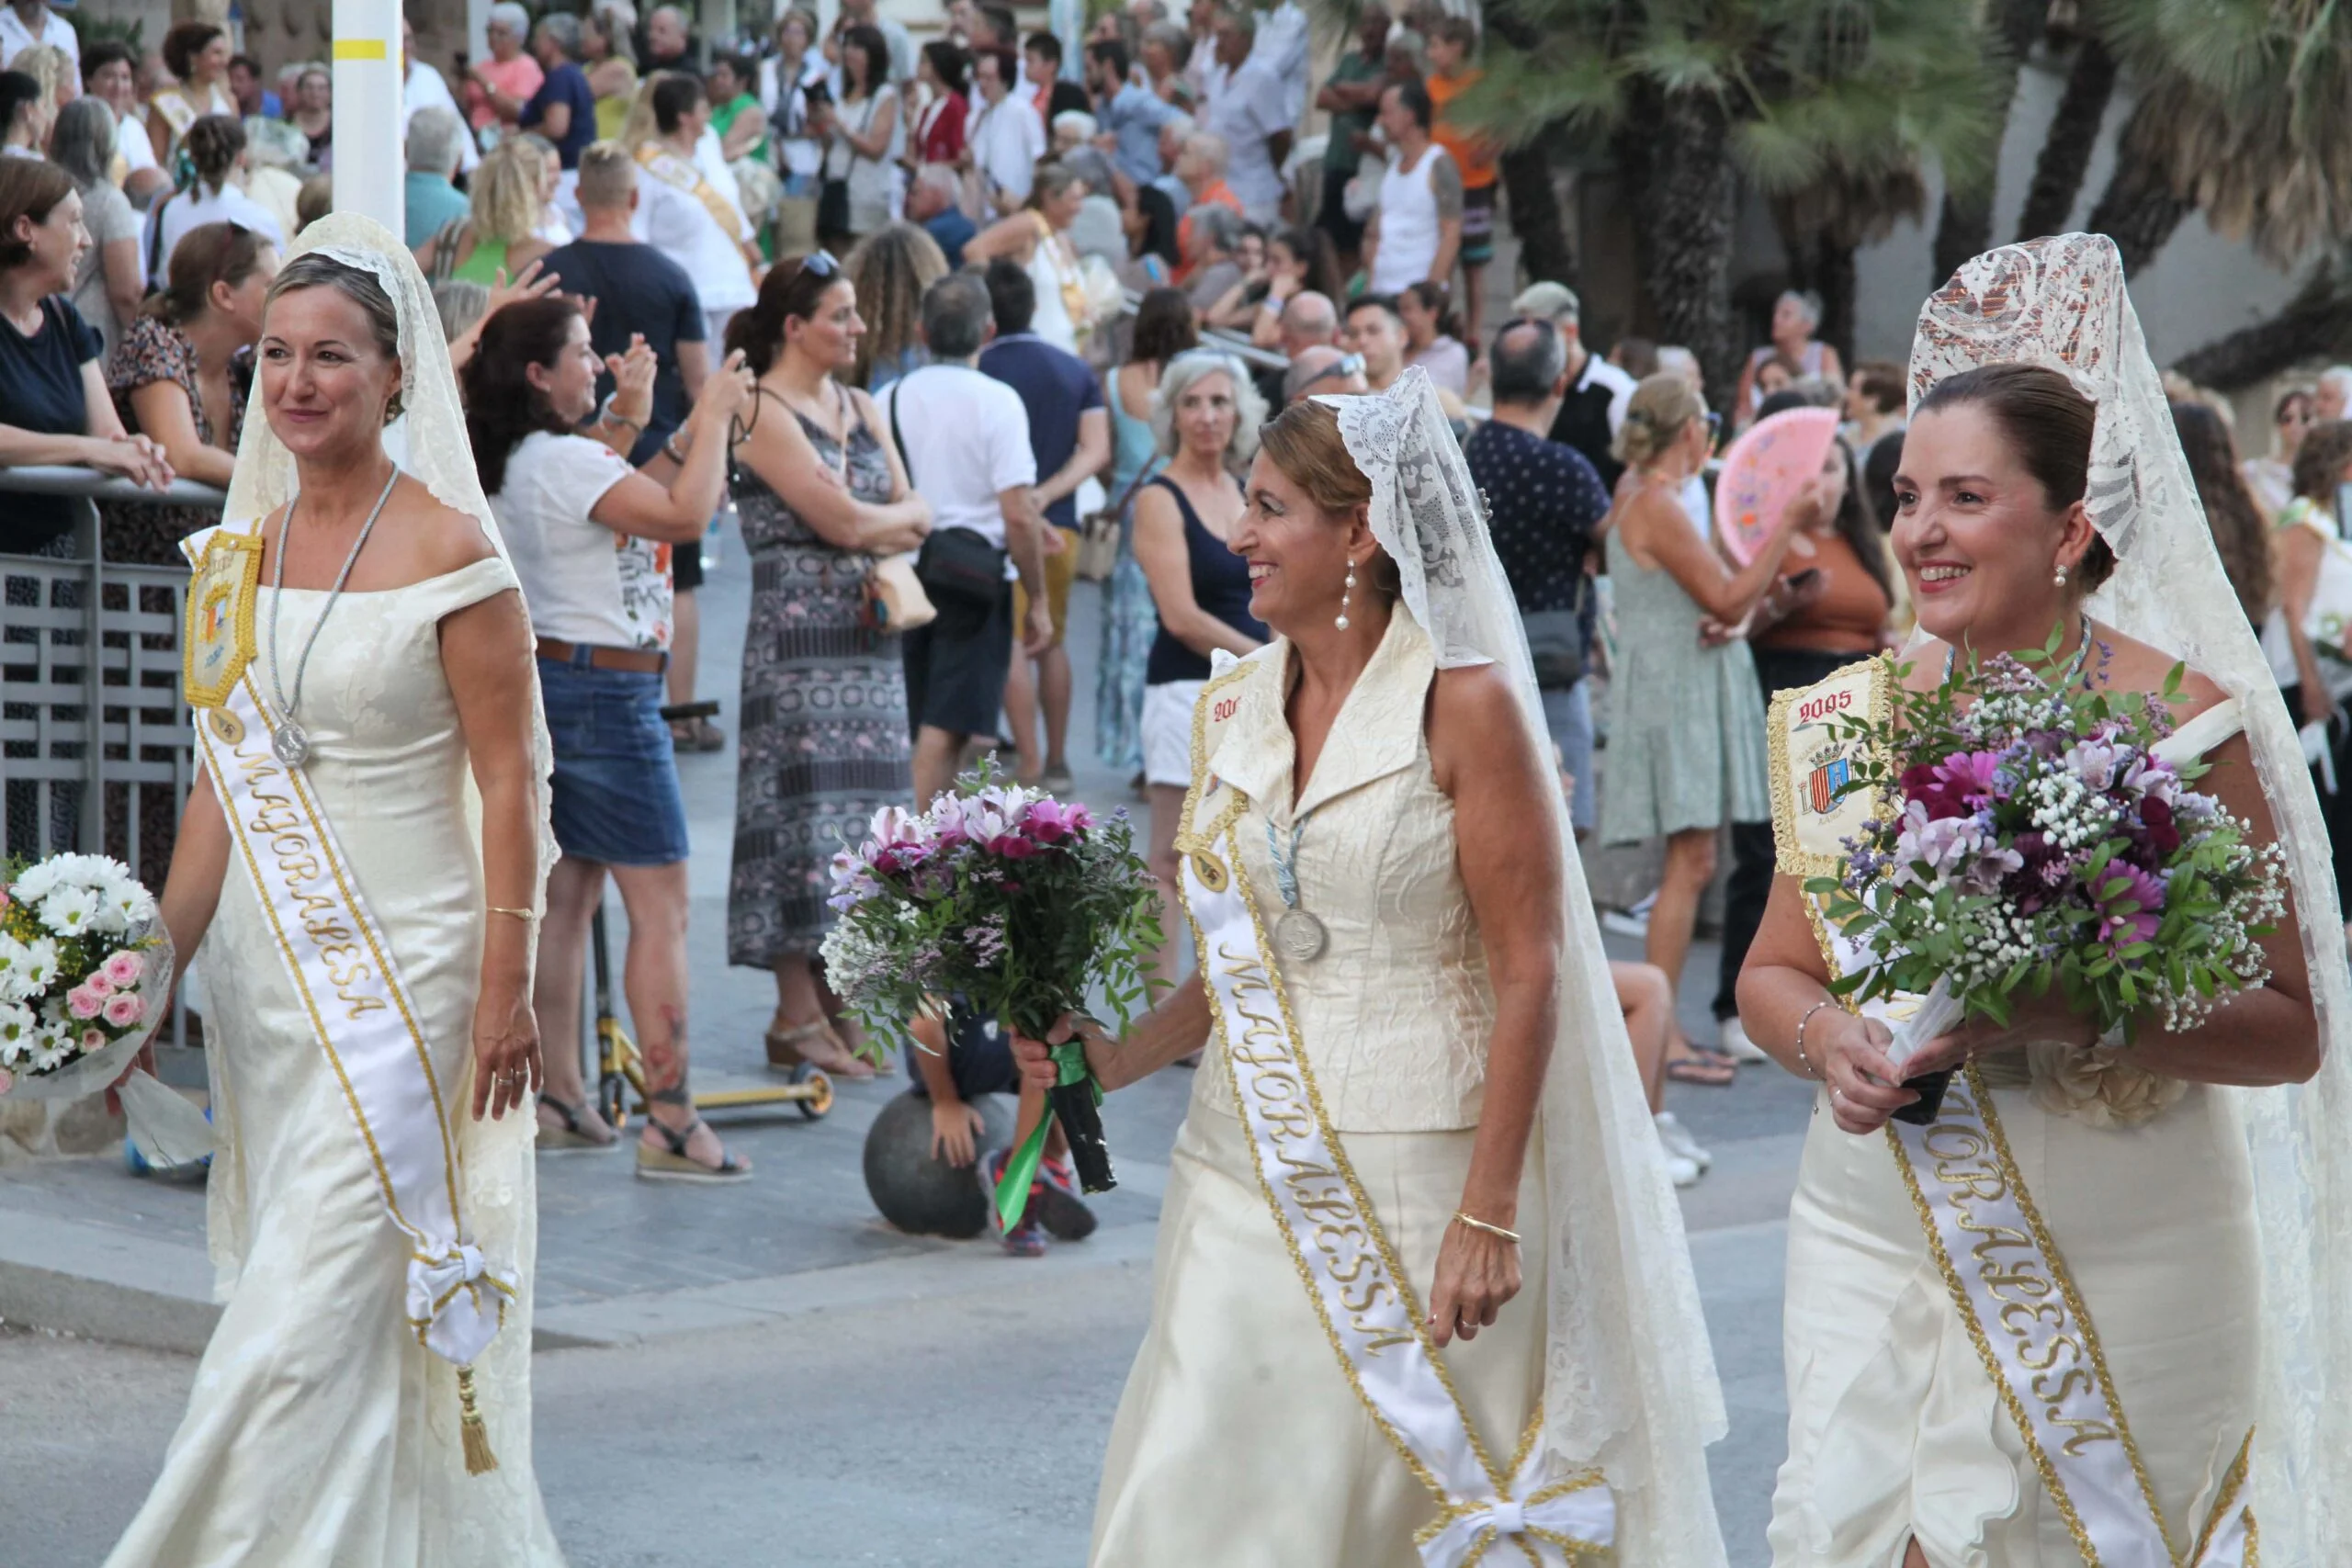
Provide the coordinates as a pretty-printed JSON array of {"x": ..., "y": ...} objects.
[
  {"x": 1300, "y": 936},
  {"x": 290, "y": 745}
]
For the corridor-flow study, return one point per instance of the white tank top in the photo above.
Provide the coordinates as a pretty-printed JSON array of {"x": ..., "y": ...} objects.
[{"x": 1408, "y": 223}]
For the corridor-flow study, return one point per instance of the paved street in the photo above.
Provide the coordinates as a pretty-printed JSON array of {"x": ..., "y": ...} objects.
[{"x": 767, "y": 1374}]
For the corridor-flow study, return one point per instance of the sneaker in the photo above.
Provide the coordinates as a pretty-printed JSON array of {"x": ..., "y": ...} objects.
[
  {"x": 1685, "y": 1172},
  {"x": 1055, "y": 1200},
  {"x": 1679, "y": 1142},
  {"x": 1736, "y": 1043},
  {"x": 1028, "y": 1239},
  {"x": 1632, "y": 922}
]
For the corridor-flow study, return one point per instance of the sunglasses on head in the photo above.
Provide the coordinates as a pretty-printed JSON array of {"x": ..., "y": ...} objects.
[
  {"x": 1341, "y": 368},
  {"x": 822, "y": 262}
]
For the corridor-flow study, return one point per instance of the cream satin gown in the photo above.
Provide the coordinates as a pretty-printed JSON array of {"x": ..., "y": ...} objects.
[
  {"x": 1895, "y": 1426},
  {"x": 320, "y": 1433},
  {"x": 1239, "y": 1441}
]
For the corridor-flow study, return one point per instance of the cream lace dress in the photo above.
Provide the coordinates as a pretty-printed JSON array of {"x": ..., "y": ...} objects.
[
  {"x": 320, "y": 1433},
  {"x": 1894, "y": 1427},
  {"x": 1239, "y": 1441}
]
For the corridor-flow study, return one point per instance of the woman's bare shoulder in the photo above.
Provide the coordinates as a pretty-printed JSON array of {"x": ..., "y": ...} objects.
[
  {"x": 1473, "y": 711},
  {"x": 2127, "y": 664},
  {"x": 436, "y": 539}
]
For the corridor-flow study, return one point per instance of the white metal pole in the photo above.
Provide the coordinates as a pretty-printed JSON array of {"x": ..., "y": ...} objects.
[{"x": 370, "y": 170}]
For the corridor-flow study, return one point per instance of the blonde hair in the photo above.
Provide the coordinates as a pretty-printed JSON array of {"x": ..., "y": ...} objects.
[
  {"x": 506, "y": 193},
  {"x": 891, "y": 269},
  {"x": 47, "y": 65},
  {"x": 1662, "y": 408},
  {"x": 607, "y": 175}
]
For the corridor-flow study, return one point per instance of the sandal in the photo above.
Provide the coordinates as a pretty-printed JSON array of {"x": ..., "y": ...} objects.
[
  {"x": 1702, "y": 1067},
  {"x": 655, "y": 1165},
  {"x": 787, "y": 1049},
  {"x": 568, "y": 1136}
]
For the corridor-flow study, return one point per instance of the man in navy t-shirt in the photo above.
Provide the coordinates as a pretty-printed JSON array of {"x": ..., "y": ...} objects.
[
  {"x": 638, "y": 292},
  {"x": 1070, "y": 433},
  {"x": 564, "y": 108}
]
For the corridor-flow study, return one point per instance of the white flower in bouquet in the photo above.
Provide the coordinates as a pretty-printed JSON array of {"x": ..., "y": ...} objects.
[
  {"x": 20, "y": 1031},
  {"x": 70, "y": 911},
  {"x": 15, "y": 962},
  {"x": 54, "y": 1045},
  {"x": 122, "y": 904},
  {"x": 40, "y": 971},
  {"x": 95, "y": 873}
]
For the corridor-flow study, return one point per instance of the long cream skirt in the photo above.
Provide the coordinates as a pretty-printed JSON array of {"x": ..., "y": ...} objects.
[
  {"x": 1894, "y": 1427},
  {"x": 1239, "y": 1441}
]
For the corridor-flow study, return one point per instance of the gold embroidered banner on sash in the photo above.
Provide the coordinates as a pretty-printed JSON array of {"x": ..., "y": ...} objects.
[
  {"x": 2007, "y": 1279},
  {"x": 1359, "y": 1291}
]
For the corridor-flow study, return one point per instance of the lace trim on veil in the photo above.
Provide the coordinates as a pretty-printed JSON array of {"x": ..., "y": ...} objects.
[
  {"x": 1630, "y": 1377},
  {"x": 2061, "y": 303}
]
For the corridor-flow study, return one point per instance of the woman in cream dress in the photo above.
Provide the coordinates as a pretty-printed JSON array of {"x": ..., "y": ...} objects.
[
  {"x": 321, "y": 1431},
  {"x": 1464, "y": 1047},
  {"x": 2040, "y": 463}
]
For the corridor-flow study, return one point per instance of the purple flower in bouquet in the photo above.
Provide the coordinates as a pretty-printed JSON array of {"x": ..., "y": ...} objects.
[
  {"x": 1954, "y": 787},
  {"x": 2095, "y": 762},
  {"x": 2117, "y": 928},
  {"x": 1954, "y": 849}
]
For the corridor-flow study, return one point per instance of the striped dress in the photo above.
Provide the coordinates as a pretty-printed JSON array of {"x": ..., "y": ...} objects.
[{"x": 824, "y": 736}]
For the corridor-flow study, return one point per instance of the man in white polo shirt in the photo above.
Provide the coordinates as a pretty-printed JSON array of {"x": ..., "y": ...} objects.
[
  {"x": 964, "y": 438},
  {"x": 25, "y": 23}
]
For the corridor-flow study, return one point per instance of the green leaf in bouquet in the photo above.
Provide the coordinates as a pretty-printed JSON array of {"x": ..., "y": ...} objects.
[
  {"x": 1847, "y": 985},
  {"x": 1820, "y": 886}
]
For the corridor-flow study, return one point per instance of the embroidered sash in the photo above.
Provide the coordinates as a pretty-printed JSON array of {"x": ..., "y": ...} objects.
[
  {"x": 681, "y": 175},
  {"x": 1359, "y": 1291},
  {"x": 344, "y": 971},
  {"x": 2007, "y": 1281}
]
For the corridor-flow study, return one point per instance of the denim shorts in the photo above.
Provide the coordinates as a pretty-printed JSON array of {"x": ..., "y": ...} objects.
[{"x": 616, "y": 799}]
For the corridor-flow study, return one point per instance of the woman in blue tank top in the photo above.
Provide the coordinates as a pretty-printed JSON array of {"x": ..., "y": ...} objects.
[{"x": 1206, "y": 418}]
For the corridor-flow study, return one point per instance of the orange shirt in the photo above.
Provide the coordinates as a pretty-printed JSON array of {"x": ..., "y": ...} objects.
[
  {"x": 1851, "y": 612},
  {"x": 1473, "y": 155},
  {"x": 1217, "y": 194}
]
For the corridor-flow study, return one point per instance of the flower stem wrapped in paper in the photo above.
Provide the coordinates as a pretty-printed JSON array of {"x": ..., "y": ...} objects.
[
  {"x": 2037, "y": 838},
  {"x": 86, "y": 978},
  {"x": 1015, "y": 906}
]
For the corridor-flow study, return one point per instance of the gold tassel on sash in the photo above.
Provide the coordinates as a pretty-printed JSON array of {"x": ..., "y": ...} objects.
[{"x": 479, "y": 1460}]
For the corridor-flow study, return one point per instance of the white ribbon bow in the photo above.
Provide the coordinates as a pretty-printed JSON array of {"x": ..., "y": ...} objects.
[
  {"x": 459, "y": 1300},
  {"x": 1580, "y": 1510}
]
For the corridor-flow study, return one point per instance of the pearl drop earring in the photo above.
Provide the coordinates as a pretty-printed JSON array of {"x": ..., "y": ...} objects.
[
  {"x": 1346, "y": 591},
  {"x": 2060, "y": 579}
]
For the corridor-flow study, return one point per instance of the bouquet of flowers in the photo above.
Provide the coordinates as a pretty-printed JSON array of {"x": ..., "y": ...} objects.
[
  {"x": 1014, "y": 905},
  {"x": 2036, "y": 838},
  {"x": 86, "y": 973}
]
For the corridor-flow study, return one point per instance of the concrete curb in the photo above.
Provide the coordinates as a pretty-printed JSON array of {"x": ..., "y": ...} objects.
[{"x": 101, "y": 1283}]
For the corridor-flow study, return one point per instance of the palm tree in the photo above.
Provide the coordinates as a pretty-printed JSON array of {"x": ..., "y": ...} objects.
[
  {"x": 1964, "y": 227},
  {"x": 2241, "y": 114},
  {"x": 1829, "y": 106}
]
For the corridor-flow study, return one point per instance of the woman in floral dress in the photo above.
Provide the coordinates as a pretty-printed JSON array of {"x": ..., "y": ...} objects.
[{"x": 824, "y": 735}]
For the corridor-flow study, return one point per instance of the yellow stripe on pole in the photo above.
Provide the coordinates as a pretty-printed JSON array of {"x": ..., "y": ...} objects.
[{"x": 362, "y": 48}]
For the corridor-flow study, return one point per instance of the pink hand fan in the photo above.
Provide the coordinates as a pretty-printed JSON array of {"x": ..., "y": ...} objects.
[{"x": 1763, "y": 471}]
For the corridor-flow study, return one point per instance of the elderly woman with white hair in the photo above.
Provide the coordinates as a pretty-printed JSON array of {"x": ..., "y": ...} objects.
[
  {"x": 496, "y": 89},
  {"x": 1204, "y": 420},
  {"x": 1796, "y": 316}
]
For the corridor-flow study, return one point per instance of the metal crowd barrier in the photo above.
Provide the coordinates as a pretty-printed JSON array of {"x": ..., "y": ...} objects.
[{"x": 94, "y": 734}]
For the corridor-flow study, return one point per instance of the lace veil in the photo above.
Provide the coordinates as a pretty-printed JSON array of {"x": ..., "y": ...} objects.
[
  {"x": 500, "y": 1206},
  {"x": 1628, "y": 1375},
  {"x": 2061, "y": 303}
]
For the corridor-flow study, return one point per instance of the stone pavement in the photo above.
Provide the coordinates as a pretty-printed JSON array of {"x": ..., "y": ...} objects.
[{"x": 770, "y": 1355}]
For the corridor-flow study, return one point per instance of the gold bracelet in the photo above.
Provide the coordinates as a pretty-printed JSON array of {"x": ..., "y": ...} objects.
[
  {"x": 1463, "y": 1218},
  {"x": 528, "y": 917}
]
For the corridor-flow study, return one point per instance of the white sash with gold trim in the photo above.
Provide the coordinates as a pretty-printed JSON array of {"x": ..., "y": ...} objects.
[
  {"x": 679, "y": 174},
  {"x": 344, "y": 971},
  {"x": 1352, "y": 1276},
  {"x": 2007, "y": 1279}
]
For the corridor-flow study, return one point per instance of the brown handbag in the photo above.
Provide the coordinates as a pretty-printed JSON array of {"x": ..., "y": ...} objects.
[
  {"x": 1098, "y": 533},
  {"x": 895, "y": 600}
]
